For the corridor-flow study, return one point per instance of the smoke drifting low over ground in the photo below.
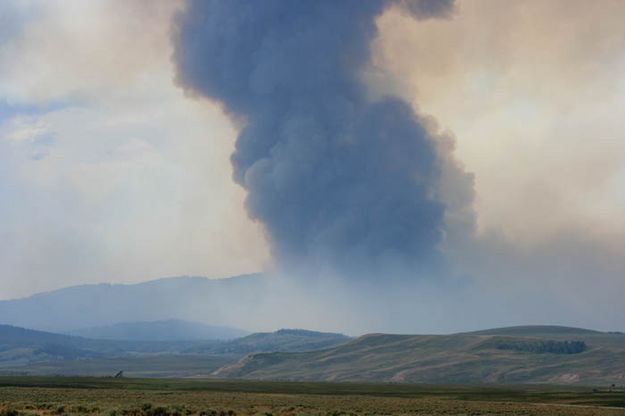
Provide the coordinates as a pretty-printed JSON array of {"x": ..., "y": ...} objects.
[{"x": 342, "y": 183}]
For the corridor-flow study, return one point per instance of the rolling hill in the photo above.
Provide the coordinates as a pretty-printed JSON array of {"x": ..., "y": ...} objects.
[
  {"x": 533, "y": 354},
  {"x": 21, "y": 346},
  {"x": 507, "y": 355},
  {"x": 25, "y": 351}
]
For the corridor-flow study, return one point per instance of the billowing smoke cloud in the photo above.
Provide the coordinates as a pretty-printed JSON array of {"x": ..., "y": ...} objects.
[{"x": 340, "y": 181}]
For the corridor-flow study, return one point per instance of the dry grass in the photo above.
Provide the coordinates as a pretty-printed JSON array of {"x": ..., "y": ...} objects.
[{"x": 123, "y": 402}]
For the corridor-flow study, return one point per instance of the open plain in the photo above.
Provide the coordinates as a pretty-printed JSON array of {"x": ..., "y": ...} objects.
[{"x": 178, "y": 397}]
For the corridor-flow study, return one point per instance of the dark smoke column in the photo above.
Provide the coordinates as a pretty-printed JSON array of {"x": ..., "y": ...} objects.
[{"x": 339, "y": 182}]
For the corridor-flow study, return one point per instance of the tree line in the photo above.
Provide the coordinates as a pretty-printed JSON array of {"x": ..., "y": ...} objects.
[{"x": 544, "y": 346}]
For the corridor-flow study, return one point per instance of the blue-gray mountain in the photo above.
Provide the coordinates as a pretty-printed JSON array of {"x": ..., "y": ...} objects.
[{"x": 219, "y": 302}]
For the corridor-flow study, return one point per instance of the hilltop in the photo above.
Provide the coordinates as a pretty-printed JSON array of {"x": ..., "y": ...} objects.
[{"x": 536, "y": 331}]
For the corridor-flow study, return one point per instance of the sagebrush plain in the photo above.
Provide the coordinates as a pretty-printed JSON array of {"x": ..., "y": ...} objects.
[{"x": 178, "y": 397}]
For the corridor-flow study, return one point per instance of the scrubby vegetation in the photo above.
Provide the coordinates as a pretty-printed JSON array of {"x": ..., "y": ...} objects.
[
  {"x": 56, "y": 396},
  {"x": 543, "y": 346}
]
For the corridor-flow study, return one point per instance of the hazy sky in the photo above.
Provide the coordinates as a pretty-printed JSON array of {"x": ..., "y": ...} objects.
[{"x": 109, "y": 172}]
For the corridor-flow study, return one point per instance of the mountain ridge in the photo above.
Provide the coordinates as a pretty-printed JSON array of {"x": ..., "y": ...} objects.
[
  {"x": 184, "y": 298},
  {"x": 130, "y": 284}
]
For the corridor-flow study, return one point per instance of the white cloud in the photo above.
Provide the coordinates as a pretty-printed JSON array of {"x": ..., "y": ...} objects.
[
  {"x": 24, "y": 129},
  {"x": 135, "y": 181}
]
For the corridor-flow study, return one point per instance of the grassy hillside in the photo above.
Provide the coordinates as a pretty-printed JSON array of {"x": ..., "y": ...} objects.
[
  {"x": 22, "y": 347},
  {"x": 29, "y": 352},
  {"x": 12, "y": 337},
  {"x": 459, "y": 358}
]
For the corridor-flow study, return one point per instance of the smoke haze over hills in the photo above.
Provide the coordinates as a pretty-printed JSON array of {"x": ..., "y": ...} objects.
[{"x": 399, "y": 166}]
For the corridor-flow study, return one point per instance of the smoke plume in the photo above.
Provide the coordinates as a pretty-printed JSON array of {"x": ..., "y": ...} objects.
[{"x": 340, "y": 181}]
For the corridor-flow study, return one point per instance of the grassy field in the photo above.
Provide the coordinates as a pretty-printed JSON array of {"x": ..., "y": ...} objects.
[{"x": 178, "y": 397}]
